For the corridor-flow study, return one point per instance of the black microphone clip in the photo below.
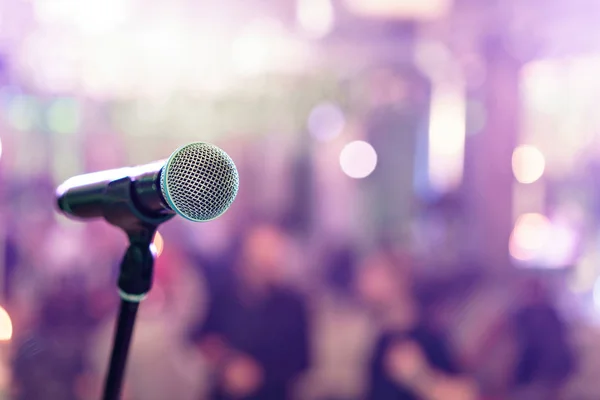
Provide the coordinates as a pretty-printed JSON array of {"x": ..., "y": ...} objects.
[
  {"x": 135, "y": 279},
  {"x": 120, "y": 211}
]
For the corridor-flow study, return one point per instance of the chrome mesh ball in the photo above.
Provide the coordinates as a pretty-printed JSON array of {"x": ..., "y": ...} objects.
[{"x": 199, "y": 181}]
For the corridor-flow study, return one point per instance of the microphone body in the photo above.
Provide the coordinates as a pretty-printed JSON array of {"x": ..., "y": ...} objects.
[
  {"x": 84, "y": 196},
  {"x": 198, "y": 181}
]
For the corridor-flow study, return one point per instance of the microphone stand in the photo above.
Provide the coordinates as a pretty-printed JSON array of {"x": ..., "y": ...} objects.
[{"x": 136, "y": 272}]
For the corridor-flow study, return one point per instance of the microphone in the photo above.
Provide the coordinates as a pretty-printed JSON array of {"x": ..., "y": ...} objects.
[{"x": 199, "y": 182}]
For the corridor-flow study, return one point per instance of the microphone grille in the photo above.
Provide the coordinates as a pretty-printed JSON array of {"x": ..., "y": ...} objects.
[{"x": 199, "y": 181}]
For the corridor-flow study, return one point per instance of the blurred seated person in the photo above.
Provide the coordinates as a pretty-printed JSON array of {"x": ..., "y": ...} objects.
[
  {"x": 255, "y": 336},
  {"x": 545, "y": 359},
  {"x": 49, "y": 362},
  {"x": 343, "y": 333},
  {"x": 411, "y": 360}
]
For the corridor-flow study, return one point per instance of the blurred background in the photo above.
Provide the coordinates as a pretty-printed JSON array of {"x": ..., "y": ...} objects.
[{"x": 417, "y": 216}]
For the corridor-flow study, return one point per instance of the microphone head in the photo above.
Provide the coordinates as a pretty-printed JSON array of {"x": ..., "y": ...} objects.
[{"x": 199, "y": 181}]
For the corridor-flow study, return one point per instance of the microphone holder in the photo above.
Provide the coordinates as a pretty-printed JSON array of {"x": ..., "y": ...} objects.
[{"x": 136, "y": 272}]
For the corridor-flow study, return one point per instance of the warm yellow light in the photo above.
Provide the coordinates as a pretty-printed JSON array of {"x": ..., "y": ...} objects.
[
  {"x": 6, "y": 328},
  {"x": 416, "y": 9},
  {"x": 528, "y": 164},
  {"x": 158, "y": 243},
  {"x": 529, "y": 236},
  {"x": 316, "y": 17},
  {"x": 447, "y": 129}
]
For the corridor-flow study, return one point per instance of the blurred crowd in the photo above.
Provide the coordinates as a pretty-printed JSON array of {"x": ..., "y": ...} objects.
[
  {"x": 418, "y": 208},
  {"x": 259, "y": 311}
]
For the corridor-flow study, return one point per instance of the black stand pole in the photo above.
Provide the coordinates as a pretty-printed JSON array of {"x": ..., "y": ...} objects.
[
  {"x": 135, "y": 278},
  {"x": 118, "y": 359},
  {"x": 135, "y": 282}
]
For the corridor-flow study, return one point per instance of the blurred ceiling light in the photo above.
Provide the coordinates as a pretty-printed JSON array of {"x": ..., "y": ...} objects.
[
  {"x": 158, "y": 243},
  {"x": 413, "y": 9},
  {"x": 211, "y": 54},
  {"x": 542, "y": 81},
  {"x": 530, "y": 234},
  {"x": 163, "y": 52},
  {"x": 447, "y": 130},
  {"x": 50, "y": 61},
  {"x": 528, "y": 164},
  {"x": 54, "y": 11},
  {"x": 110, "y": 68},
  {"x": 6, "y": 327},
  {"x": 88, "y": 16},
  {"x": 316, "y": 17},
  {"x": 250, "y": 54},
  {"x": 358, "y": 159},
  {"x": 326, "y": 121},
  {"x": 265, "y": 46},
  {"x": 98, "y": 17},
  {"x": 252, "y": 50}
]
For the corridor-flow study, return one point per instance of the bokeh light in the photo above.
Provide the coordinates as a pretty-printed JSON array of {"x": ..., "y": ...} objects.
[
  {"x": 414, "y": 9},
  {"x": 584, "y": 274},
  {"x": 528, "y": 164},
  {"x": 265, "y": 46},
  {"x": 252, "y": 51},
  {"x": 596, "y": 294},
  {"x": 447, "y": 132},
  {"x": 163, "y": 49},
  {"x": 316, "y": 17},
  {"x": 542, "y": 85},
  {"x": 358, "y": 159},
  {"x": 88, "y": 17},
  {"x": 529, "y": 236},
  {"x": 64, "y": 116},
  {"x": 23, "y": 112},
  {"x": 326, "y": 121},
  {"x": 158, "y": 243},
  {"x": 50, "y": 60},
  {"x": 6, "y": 327},
  {"x": 108, "y": 69}
]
